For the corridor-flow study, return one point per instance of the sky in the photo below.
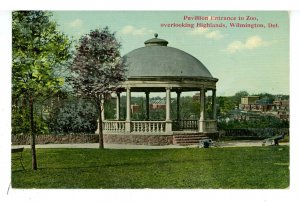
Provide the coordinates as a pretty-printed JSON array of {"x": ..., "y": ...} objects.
[{"x": 254, "y": 59}]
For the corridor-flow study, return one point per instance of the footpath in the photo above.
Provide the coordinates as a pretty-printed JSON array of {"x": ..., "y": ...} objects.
[{"x": 244, "y": 143}]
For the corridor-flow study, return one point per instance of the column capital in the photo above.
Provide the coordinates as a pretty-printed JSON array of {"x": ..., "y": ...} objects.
[
  {"x": 202, "y": 88},
  {"x": 168, "y": 88}
]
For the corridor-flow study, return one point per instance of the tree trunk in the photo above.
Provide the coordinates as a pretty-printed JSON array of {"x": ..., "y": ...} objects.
[
  {"x": 32, "y": 134},
  {"x": 101, "y": 145}
]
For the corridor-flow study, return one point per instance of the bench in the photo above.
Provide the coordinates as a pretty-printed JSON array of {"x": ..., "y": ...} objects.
[
  {"x": 19, "y": 156},
  {"x": 273, "y": 140}
]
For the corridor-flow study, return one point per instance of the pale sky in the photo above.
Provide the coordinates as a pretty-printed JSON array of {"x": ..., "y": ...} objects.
[{"x": 251, "y": 59}]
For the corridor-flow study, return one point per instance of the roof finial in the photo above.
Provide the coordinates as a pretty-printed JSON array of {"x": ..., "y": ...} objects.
[{"x": 156, "y": 41}]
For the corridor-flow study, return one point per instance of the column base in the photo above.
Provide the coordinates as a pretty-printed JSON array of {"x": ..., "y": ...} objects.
[
  {"x": 168, "y": 126},
  {"x": 128, "y": 126},
  {"x": 201, "y": 126}
]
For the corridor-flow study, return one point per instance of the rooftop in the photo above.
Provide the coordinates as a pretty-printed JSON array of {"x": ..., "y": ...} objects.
[{"x": 157, "y": 59}]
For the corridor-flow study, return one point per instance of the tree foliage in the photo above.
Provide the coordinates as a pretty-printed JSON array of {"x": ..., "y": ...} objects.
[
  {"x": 38, "y": 48},
  {"x": 98, "y": 68}
]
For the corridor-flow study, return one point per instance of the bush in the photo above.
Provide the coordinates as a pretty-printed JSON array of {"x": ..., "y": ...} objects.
[
  {"x": 21, "y": 124},
  {"x": 74, "y": 116},
  {"x": 266, "y": 121}
]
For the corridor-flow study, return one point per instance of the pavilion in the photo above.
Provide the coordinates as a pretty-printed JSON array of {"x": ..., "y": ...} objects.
[{"x": 156, "y": 67}]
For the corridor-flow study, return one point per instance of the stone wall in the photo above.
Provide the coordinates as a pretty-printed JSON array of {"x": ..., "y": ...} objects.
[
  {"x": 55, "y": 139},
  {"x": 94, "y": 138},
  {"x": 139, "y": 139}
]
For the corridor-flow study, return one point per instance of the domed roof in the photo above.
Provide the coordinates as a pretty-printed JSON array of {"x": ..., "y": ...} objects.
[{"x": 156, "y": 59}]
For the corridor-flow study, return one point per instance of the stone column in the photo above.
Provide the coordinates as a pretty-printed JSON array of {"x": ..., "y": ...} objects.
[
  {"x": 128, "y": 110},
  {"x": 214, "y": 104},
  {"x": 118, "y": 107},
  {"x": 178, "y": 105},
  {"x": 147, "y": 105},
  {"x": 202, "y": 111},
  {"x": 168, "y": 110}
]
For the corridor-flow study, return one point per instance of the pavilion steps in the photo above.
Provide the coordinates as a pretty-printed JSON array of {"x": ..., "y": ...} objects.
[{"x": 188, "y": 139}]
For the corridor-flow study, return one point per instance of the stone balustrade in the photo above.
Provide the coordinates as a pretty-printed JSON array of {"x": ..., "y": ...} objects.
[
  {"x": 148, "y": 126},
  {"x": 156, "y": 126},
  {"x": 114, "y": 126},
  {"x": 185, "y": 125}
]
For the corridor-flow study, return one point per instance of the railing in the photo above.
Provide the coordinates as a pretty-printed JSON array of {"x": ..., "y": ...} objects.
[
  {"x": 185, "y": 125},
  {"x": 210, "y": 126},
  {"x": 114, "y": 126},
  {"x": 148, "y": 126},
  {"x": 157, "y": 126}
]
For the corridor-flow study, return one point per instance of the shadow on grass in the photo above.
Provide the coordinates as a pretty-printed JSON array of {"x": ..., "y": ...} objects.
[{"x": 132, "y": 164}]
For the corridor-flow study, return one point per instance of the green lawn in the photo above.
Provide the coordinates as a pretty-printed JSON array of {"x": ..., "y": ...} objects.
[{"x": 245, "y": 167}]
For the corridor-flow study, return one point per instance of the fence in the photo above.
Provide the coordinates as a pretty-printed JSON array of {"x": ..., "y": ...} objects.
[{"x": 252, "y": 133}]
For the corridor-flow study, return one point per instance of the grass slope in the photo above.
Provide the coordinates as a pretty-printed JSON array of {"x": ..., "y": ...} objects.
[{"x": 245, "y": 167}]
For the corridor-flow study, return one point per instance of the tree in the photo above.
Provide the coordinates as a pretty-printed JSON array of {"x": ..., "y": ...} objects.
[
  {"x": 98, "y": 69},
  {"x": 237, "y": 97},
  {"x": 38, "y": 49},
  {"x": 225, "y": 105}
]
